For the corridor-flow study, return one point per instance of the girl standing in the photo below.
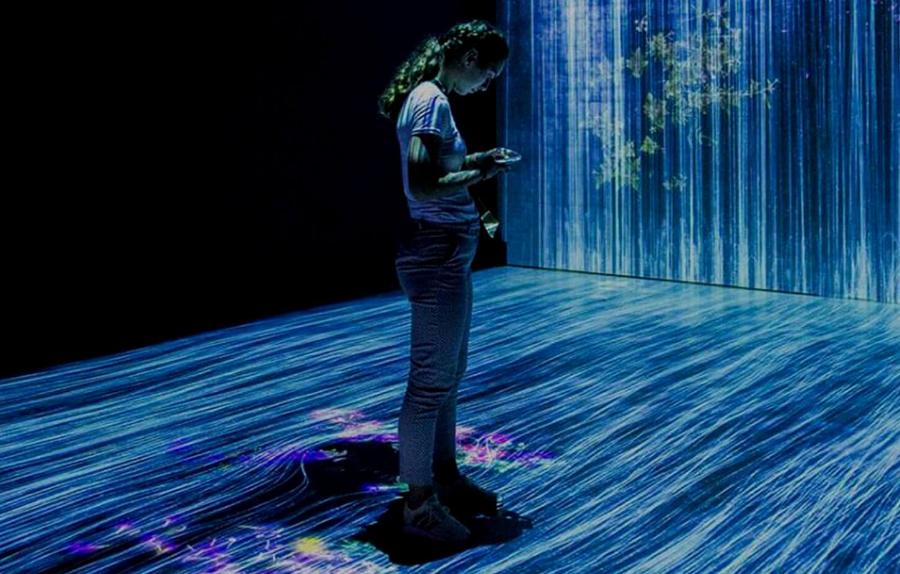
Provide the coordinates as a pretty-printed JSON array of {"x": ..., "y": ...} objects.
[{"x": 433, "y": 265}]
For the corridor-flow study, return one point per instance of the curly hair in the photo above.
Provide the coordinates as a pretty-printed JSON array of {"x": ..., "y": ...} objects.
[{"x": 425, "y": 61}]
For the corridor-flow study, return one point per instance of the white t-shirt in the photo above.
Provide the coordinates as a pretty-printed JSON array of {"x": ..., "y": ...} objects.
[{"x": 427, "y": 110}]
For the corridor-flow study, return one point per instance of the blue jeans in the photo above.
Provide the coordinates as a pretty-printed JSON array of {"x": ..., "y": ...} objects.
[{"x": 434, "y": 266}]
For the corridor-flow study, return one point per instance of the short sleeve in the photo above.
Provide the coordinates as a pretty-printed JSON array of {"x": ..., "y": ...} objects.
[{"x": 430, "y": 116}]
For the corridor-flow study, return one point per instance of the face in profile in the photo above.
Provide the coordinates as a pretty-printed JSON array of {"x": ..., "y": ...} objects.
[{"x": 475, "y": 79}]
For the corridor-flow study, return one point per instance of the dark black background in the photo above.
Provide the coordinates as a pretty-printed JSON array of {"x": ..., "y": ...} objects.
[{"x": 183, "y": 168}]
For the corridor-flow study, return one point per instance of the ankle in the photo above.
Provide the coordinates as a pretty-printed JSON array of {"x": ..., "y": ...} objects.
[
  {"x": 446, "y": 472},
  {"x": 418, "y": 494}
]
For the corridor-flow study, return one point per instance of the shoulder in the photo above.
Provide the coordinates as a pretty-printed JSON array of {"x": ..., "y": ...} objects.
[
  {"x": 427, "y": 92},
  {"x": 426, "y": 110}
]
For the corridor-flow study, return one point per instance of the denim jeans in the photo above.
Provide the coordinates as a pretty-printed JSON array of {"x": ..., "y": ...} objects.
[{"x": 434, "y": 266}]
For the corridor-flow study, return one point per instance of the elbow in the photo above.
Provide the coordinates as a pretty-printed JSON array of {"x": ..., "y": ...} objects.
[
  {"x": 423, "y": 189},
  {"x": 418, "y": 194},
  {"x": 419, "y": 191}
]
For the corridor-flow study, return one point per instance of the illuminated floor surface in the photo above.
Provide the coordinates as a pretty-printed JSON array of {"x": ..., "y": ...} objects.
[{"x": 641, "y": 426}]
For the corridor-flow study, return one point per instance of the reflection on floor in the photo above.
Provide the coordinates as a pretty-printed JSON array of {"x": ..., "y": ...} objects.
[{"x": 630, "y": 426}]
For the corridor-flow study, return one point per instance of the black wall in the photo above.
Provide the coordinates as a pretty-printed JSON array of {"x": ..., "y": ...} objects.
[{"x": 184, "y": 169}]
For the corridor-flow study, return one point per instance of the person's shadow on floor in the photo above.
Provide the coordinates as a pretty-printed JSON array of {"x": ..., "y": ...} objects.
[
  {"x": 366, "y": 465},
  {"x": 286, "y": 490},
  {"x": 386, "y": 534}
]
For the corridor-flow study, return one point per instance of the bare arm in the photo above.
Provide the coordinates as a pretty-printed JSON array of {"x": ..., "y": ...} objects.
[
  {"x": 475, "y": 160},
  {"x": 426, "y": 178}
]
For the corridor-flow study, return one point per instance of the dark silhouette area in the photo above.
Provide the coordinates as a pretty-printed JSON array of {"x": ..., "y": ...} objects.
[
  {"x": 287, "y": 490},
  {"x": 188, "y": 168}
]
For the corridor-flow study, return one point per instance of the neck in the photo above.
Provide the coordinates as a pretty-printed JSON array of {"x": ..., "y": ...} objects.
[{"x": 444, "y": 78}]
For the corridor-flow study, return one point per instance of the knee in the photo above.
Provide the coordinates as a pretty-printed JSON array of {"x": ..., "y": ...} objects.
[
  {"x": 461, "y": 369},
  {"x": 429, "y": 390}
]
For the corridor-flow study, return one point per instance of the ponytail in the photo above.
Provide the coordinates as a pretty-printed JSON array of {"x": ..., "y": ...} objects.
[{"x": 425, "y": 62}]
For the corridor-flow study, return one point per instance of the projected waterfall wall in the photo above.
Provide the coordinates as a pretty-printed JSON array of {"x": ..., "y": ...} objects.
[{"x": 751, "y": 143}]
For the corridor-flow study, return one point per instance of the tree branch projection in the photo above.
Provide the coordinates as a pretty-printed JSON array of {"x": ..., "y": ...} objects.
[{"x": 698, "y": 73}]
